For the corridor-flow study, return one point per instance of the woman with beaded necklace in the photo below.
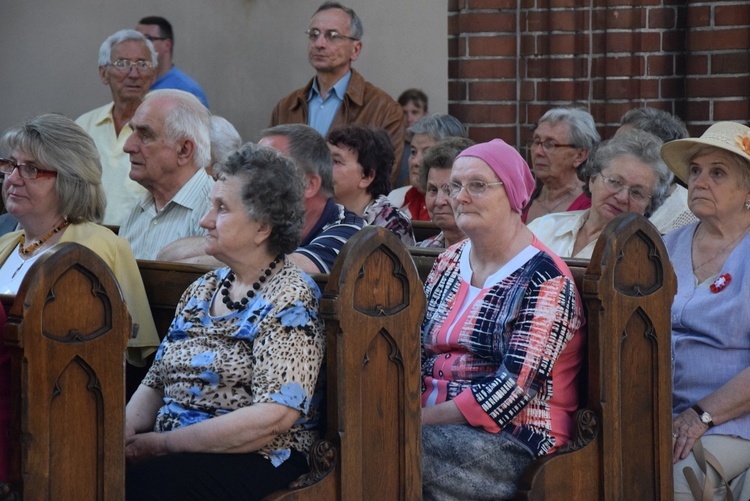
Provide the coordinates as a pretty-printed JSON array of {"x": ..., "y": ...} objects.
[
  {"x": 52, "y": 186},
  {"x": 227, "y": 410}
]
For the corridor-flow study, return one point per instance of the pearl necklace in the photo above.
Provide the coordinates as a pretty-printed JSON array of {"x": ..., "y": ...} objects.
[
  {"x": 35, "y": 245},
  {"x": 242, "y": 303}
]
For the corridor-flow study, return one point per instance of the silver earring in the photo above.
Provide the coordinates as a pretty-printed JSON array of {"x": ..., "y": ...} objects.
[{"x": 747, "y": 204}]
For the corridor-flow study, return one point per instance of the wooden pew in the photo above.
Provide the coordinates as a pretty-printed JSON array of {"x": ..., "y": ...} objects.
[
  {"x": 373, "y": 306},
  {"x": 66, "y": 333},
  {"x": 424, "y": 229}
]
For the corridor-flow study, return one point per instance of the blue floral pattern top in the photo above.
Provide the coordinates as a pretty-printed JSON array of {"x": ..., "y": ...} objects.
[{"x": 270, "y": 351}]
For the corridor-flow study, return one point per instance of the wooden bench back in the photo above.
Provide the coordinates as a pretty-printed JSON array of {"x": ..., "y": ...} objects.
[
  {"x": 67, "y": 332},
  {"x": 623, "y": 450}
]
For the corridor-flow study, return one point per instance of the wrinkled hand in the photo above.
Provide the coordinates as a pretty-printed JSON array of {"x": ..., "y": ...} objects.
[
  {"x": 686, "y": 429},
  {"x": 143, "y": 446}
]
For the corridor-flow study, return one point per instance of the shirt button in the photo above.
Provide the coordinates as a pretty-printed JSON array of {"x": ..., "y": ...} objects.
[
  {"x": 155, "y": 222},
  {"x": 440, "y": 373},
  {"x": 447, "y": 355}
]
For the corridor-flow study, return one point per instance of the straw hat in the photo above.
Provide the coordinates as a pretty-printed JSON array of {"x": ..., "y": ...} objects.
[{"x": 729, "y": 136}]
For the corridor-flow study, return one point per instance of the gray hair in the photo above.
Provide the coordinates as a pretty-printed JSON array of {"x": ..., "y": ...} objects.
[
  {"x": 56, "y": 142},
  {"x": 438, "y": 126},
  {"x": 355, "y": 22},
  {"x": 441, "y": 156},
  {"x": 308, "y": 149},
  {"x": 644, "y": 147},
  {"x": 187, "y": 118},
  {"x": 224, "y": 139},
  {"x": 272, "y": 191},
  {"x": 663, "y": 125},
  {"x": 583, "y": 132},
  {"x": 105, "y": 51}
]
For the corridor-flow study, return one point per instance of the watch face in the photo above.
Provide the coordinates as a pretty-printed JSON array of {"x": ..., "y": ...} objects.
[{"x": 705, "y": 418}]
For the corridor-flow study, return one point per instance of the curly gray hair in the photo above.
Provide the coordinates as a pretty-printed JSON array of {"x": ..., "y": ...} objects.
[{"x": 272, "y": 191}]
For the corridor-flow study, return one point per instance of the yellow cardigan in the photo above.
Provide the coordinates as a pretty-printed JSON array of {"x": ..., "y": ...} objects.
[{"x": 116, "y": 252}]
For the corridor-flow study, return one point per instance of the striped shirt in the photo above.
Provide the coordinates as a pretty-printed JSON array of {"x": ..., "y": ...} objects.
[
  {"x": 149, "y": 230},
  {"x": 507, "y": 354},
  {"x": 335, "y": 226}
]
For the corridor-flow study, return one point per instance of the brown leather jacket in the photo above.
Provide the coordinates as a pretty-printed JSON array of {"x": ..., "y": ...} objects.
[{"x": 363, "y": 104}]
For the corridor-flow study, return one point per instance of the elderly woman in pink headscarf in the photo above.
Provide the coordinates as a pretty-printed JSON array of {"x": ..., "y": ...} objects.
[{"x": 502, "y": 337}]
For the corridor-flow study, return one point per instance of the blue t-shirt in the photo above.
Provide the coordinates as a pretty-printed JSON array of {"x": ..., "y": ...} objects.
[{"x": 177, "y": 79}]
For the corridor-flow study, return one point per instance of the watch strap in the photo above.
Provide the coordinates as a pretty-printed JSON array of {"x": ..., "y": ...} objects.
[{"x": 710, "y": 423}]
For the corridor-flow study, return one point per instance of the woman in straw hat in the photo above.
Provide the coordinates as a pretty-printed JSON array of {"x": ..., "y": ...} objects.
[
  {"x": 501, "y": 337},
  {"x": 710, "y": 317}
]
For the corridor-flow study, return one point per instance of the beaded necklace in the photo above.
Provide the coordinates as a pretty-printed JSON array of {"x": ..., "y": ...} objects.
[
  {"x": 242, "y": 303},
  {"x": 35, "y": 245}
]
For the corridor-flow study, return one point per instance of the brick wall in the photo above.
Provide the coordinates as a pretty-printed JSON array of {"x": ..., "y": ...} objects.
[{"x": 511, "y": 60}]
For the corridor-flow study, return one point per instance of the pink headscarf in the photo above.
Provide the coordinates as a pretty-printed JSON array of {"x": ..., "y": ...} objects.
[{"x": 509, "y": 166}]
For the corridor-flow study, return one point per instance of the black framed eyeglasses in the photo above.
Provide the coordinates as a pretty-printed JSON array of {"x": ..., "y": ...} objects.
[
  {"x": 475, "y": 188},
  {"x": 155, "y": 39},
  {"x": 27, "y": 171},
  {"x": 329, "y": 35}
]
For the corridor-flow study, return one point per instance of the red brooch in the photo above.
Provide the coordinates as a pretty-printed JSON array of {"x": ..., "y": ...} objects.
[{"x": 720, "y": 283}]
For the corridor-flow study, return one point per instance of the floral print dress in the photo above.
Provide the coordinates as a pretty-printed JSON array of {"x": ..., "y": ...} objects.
[{"x": 380, "y": 212}]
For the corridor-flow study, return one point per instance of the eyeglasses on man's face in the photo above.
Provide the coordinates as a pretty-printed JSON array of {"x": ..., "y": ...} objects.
[
  {"x": 637, "y": 194},
  {"x": 124, "y": 66},
  {"x": 27, "y": 171},
  {"x": 548, "y": 145},
  {"x": 155, "y": 39},
  {"x": 330, "y": 35},
  {"x": 475, "y": 188}
]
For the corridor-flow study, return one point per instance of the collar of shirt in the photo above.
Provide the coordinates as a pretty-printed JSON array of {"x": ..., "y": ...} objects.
[{"x": 322, "y": 112}]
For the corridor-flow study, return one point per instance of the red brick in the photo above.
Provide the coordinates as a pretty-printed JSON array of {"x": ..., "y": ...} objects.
[
  {"x": 662, "y": 18},
  {"x": 558, "y": 90},
  {"x": 738, "y": 62},
  {"x": 697, "y": 65},
  {"x": 735, "y": 109},
  {"x": 619, "y": 66},
  {"x": 456, "y": 90},
  {"x": 453, "y": 5},
  {"x": 672, "y": 88},
  {"x": 719, "y": 39},
  {"x": 491, "y": 4},
  {"x": 476, "y": 22},
  {"x": 529, "y": 45},
  {"x": 625, "y": 3},
  {"x": 453, "y": 46},
  {"x": 732, "y": 15},
  {"x": 718, "y": 87},
  {"x": 627, "y": 42},
  {"x": 453, "y": 25},
  {"x": 484, "y": 134},
  {"x": 673, "y": 41},
  {"x": 558, "y": 67},
  {"x": 564, "y": 20},
  {"x": 699, "y": 15},
  {"x": 486, "y": 68},
  {"x": 697, "y": 110},
  {"x": 612, "y": 112},
  {"x": 492, "y": 91},
  {"x": 620, "y": 19},
  {"x": 567, "y": 44},
  {"x": 484, "y": 113},
  {"x": 568, "y": 4},
  {"x": 492, "y": 46},
  {"x": 660, "y": 65}
]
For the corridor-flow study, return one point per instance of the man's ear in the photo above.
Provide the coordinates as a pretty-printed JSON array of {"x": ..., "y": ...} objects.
[
  {"x": 103, "y": 75},
  {"x": 367, "y": 179},
  {"x": 185, "y": 151},
  {"x": 313, "y": 185},
  {"x": 356, "y": 50}
]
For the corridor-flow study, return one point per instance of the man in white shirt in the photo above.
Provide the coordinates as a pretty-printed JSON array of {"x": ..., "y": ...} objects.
[
  {"x": 169, "y": 150},
  {"x": 127, "y": 64}
]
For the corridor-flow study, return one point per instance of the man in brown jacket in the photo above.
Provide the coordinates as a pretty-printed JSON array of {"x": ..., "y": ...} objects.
[{"x": 338, "y": 94}]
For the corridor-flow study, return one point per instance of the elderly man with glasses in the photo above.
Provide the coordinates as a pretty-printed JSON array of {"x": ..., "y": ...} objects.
[
  {"x": 338, "y": 94},
  {"x": 127, "y": 63}
]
